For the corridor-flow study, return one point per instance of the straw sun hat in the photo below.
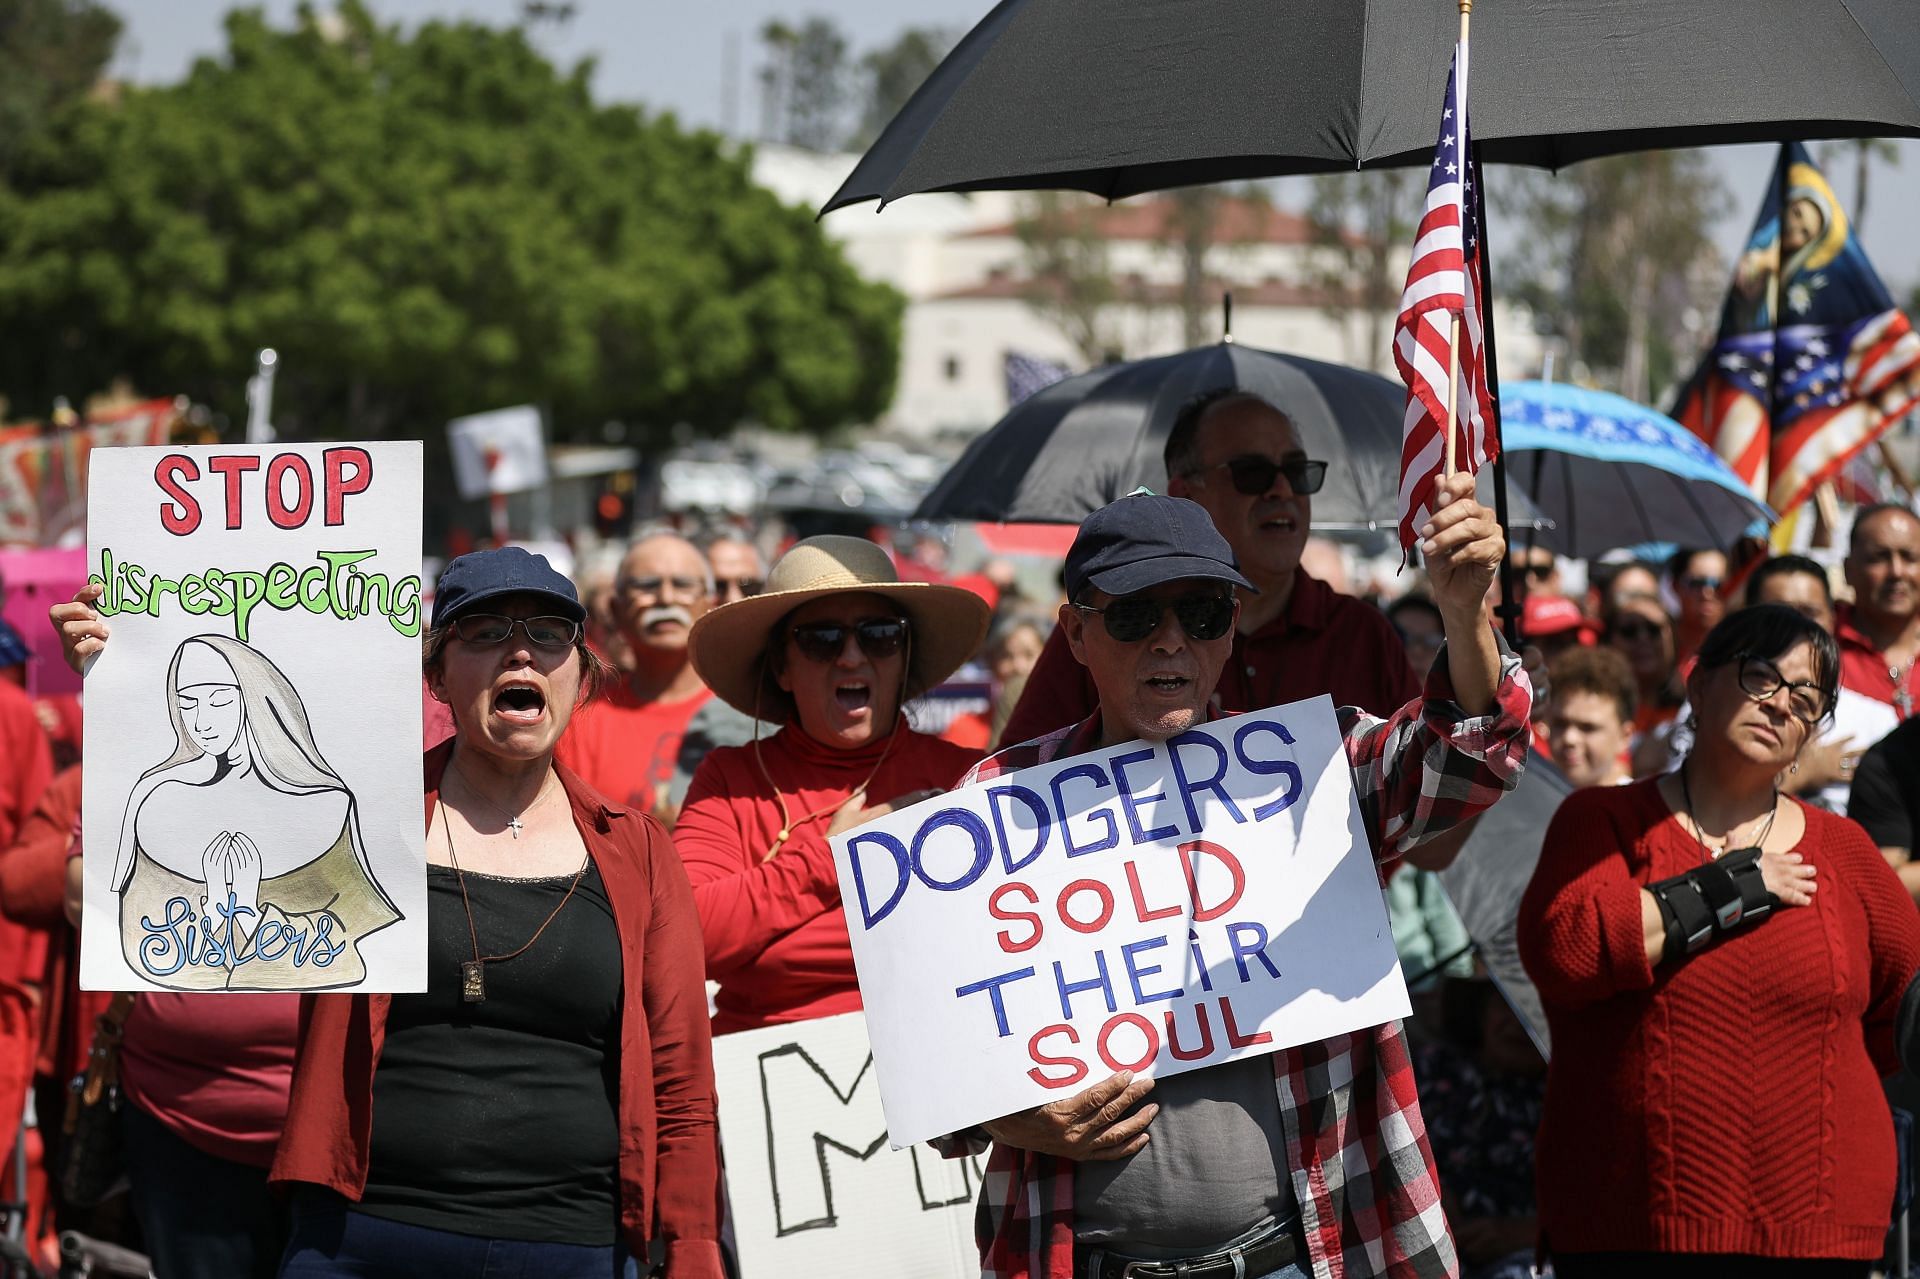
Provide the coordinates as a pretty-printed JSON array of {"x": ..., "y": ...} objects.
[{"x": 729, "y": 645}]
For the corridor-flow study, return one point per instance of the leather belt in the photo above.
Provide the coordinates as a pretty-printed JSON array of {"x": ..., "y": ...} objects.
[{"x": 1261, "y": 1257}]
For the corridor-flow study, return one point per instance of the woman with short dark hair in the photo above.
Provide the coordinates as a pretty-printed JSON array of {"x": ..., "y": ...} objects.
[{"x": 1721, "y": 966}]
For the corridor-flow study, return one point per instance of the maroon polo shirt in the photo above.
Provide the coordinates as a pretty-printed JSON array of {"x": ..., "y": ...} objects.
[{"x": 1325, "y": 642}]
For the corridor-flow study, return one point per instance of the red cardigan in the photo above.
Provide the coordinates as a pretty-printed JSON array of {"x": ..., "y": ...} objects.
[
  {"x": 669, "y": 1163},
  {"x": 776, "y": 936},
  {"x": 1731, "y": 1101}
]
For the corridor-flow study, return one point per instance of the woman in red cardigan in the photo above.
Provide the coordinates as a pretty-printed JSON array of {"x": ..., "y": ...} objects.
[
  {"x": 831, "y": 651},
  {"x": 547, "y": 1106},
  {"x": 1721, "y": 966}
]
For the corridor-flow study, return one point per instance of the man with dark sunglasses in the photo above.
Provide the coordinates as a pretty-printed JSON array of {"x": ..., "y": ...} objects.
[
  {"x": 1241, "y": 460},
  {"x": 1211, "y": 1173}
]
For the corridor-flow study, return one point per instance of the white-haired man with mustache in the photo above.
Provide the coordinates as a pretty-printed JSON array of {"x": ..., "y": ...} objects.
[{"x": 625, "y": 744}]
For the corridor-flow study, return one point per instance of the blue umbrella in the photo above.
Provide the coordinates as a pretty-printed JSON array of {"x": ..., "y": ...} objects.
[{"x": 1610, "y": 473}]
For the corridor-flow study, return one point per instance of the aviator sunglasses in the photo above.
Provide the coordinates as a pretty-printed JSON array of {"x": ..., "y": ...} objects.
[
  {"x": 878, "y": 637},
  {"x": 1253, "y": 474},
  {"x": 542, "y": 632},
  {"x": 1203, "y": 615}
]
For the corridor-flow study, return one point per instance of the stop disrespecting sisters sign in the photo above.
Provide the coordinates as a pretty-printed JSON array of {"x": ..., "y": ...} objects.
[{"x": 1157, "y": 908}]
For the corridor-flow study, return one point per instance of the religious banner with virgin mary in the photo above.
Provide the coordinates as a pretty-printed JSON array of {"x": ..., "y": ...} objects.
[
  {"x": 1813, "y": 361},
  {"x": 253, "y": 780}
]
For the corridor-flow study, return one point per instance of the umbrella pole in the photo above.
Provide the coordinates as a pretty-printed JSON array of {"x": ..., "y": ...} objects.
[{"x": 1509, "y": 610}]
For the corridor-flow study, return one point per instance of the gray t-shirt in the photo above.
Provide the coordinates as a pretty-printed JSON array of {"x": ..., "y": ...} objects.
[{"x": 1214, "y": 1167}]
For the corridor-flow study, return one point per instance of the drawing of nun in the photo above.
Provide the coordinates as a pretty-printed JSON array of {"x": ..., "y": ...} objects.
[{"x": 241, "y": 865}]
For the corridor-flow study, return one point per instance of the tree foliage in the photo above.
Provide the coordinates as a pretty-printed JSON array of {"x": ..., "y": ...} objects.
[
  {"x": 423, "y": 225},
  {"x": 51, "y": 54},
  {"x": 1363, "y": 223},
  {"x": 1068, "y": 280},
  {"x": 893, "y": 73},
  {"x": 1616, "y": 254}
]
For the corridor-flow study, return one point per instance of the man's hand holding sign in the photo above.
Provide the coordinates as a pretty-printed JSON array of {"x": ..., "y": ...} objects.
[{"x": 1156, "y": 895}]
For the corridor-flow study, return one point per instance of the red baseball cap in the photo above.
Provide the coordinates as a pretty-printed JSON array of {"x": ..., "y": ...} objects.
[{"x": 1546, "y": 615}]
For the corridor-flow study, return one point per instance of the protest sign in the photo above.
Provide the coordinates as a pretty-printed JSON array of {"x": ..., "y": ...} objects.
[
  {"x": 253, "y": 728},
  {"x": 811, "y": 1186},
  {"x": 504, "y": 451},
  {"x": 1157, "y": 908}
]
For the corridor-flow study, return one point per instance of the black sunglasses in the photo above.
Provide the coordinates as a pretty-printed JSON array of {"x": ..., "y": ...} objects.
[
  {"x": 1637, "y": 629},
  {"x": 747, "y": 586},
  {"x": 1203, "y": 615},
  {"x": 1253, "y": 474},
  {"x": 1538, "y": 572},
  {"x": 542, "y": 632},
  {"x": 878, "y": 637},
  {"x": 1760, "y": 679}
]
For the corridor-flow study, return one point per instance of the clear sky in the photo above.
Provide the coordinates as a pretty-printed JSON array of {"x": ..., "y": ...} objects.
[{"x": 674, "y": 55}]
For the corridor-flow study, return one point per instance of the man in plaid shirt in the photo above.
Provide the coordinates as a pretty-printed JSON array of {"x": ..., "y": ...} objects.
[{"x": 1320, "y": 1165}]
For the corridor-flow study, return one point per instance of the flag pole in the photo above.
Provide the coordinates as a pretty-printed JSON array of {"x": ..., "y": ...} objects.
[
  {"x": 1509, "y": 610},
  {"x": 1453, "y": 338}
]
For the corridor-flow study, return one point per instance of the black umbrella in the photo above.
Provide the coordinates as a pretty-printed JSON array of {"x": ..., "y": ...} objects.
[
  {"x": 1126, "y": 96},
  {"x": 1077, "y": 445}
]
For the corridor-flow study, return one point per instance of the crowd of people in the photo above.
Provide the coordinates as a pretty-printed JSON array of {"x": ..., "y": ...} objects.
[{"x": 630, "y": 784}]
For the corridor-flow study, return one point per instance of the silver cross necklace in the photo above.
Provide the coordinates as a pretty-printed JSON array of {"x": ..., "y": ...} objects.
[{"x": 514, "y": 823}]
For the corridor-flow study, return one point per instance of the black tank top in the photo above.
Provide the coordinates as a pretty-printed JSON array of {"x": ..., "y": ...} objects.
[{"x": 499, "y": 1119}]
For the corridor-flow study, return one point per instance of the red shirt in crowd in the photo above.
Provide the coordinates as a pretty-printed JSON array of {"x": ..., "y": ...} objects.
[
  {"x": 213, "y": 1071},
  {"x": 26, "y": 761},
  {"x": 776, "y": 935},
  {"x": 1730, "y": 1101},
  {"x": 1325, "y": 642},
  {"x": 626, "y": 748},
  {"x": 1864, "y": 668},
  {"x": 668, "y": 1179}
]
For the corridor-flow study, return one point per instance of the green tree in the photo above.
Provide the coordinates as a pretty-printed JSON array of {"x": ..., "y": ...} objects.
[
  {"x": 1613, "y": 253},
  {"x": 424, "y": 225},
  {"x": 893, "y": 73},
  {"x": 52, "y": 53},
  {"x": 1363, "y": 224},
  {"x": 1069, "y": 283},
  {"x": 807, "y": 84}
]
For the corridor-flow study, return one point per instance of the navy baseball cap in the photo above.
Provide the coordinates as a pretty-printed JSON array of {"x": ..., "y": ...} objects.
[
  {"x": 1145, "y": 539},
  {"x": 482, "y": 576},
  {"x": 13, "y": 649}
]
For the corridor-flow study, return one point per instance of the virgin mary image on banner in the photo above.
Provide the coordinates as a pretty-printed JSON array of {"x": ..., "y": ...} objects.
[{"x": 240, "y": 862}]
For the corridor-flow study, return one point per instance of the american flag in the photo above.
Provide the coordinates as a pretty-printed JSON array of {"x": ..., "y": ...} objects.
[{"x": 1443, "y": 281}]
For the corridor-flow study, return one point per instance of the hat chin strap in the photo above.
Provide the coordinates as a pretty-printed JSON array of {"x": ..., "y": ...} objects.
[{"x": 787, "y": 824}]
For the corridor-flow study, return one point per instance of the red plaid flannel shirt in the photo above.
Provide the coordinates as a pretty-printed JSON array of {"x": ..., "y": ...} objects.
[{"x": 1362, "y": 1171}]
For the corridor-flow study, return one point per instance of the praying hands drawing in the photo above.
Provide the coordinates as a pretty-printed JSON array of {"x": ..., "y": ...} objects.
[{"x": 232, "y": 868}]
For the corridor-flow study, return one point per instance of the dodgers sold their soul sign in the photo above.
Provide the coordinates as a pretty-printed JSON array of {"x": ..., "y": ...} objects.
[
  {"x": 253, "y": 725},
  {"x": 1156, "y": 908}
]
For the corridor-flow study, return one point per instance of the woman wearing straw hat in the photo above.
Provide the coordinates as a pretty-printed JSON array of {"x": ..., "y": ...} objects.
[{"x": 831, "y": 651}]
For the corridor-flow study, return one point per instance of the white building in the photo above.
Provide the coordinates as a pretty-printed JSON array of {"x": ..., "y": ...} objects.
[{"x": 970, "y": 294}]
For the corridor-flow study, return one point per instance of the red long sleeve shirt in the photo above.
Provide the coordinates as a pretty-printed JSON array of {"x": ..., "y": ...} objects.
[
  {"x": 776, "y": 935},
  {"x": 668, "y": 1178},
  {"x": 1730, "y": 1101}
]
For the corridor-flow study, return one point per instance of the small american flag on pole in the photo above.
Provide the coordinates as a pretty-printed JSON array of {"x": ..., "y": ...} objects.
[{"x": 1443, "y": 286}]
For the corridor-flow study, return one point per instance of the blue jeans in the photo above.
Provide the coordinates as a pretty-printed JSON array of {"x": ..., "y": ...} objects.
[
  {"x": 201, "y": 1217},
  {"x": 333, "y": 1240}
]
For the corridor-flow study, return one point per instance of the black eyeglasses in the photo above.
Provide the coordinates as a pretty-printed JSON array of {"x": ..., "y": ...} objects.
[
  {"x": 747, "y": 586},
  {"x": 878, "y": 637},
  {"x": 1253, "y": 474},
  {"x": 542, "y": 632},
  {"x": 1638, "y": 628},
  {"x": 1760, "y": 679},
  {"x": 1202, "y": 615}
]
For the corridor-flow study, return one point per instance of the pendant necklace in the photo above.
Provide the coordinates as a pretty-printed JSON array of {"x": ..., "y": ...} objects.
[
  {"x": 514, "y": 823},
  {"x": 473, "y": 972},
  {"x": 1714, "y": 854}
]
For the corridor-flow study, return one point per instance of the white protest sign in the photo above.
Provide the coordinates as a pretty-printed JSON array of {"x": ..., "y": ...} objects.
[
  {"x": 1153, "y": 908},
  {"x": 812, "y": 1188},
  {"x": 253, "y": 727},
  {"x": 503, "y": 451}
]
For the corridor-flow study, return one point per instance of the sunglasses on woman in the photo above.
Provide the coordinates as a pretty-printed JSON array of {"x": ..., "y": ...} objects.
[
  {"x": 1760, "y": 679},
  {"x": 1637, "y": 629},
  {"x": 1203, "y": 615},
  {"x": 878, "y": 637},
  {"x": 542, "y": 632},
  {"x": 1253, "y": 474}
]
